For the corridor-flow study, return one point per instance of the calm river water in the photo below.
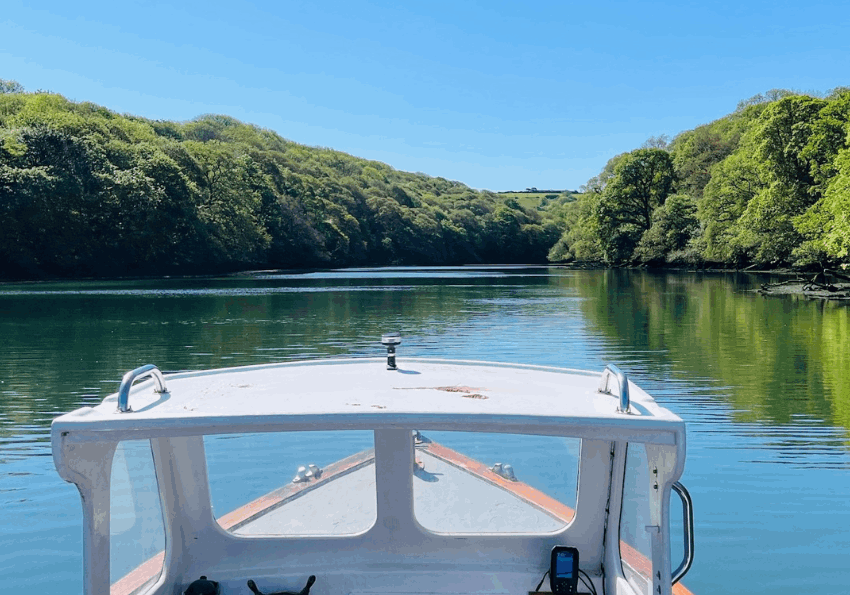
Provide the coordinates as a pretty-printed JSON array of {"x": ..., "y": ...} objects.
[{"x": 764, "y": 384}]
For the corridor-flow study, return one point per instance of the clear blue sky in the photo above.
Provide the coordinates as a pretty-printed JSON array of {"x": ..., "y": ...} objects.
[{"x": 498, "y": 95}]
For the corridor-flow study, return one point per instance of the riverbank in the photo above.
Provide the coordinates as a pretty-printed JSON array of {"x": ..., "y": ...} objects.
[
  {"x": 806, "y": 289},
  {"x": 828, "y": 285},
  {"x": 825, "y": 286}
]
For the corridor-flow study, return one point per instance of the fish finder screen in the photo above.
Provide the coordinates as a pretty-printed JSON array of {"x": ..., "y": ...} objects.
[{"x": 564, "y": 565}]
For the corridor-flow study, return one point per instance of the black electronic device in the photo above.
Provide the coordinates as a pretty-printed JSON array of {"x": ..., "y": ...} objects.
[{"x": 563, "y": 571}]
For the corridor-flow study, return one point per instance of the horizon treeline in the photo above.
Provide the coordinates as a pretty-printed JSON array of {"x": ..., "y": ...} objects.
[
  {"x": 87, "y": 192},
  {"x": 768, "y": 185}
]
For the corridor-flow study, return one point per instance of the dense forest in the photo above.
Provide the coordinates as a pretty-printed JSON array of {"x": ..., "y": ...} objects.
[
  {"x": 85, "y": 191},
  {"x": 766, "y": 186},
  {"x": 88, "y": 192}
]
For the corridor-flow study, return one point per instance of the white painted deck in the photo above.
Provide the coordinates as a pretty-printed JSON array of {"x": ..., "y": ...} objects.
[
  {"x": 349, "y": 394},
  {"x": 446, "y": 500},
  {"x": 344, "y": 506}
]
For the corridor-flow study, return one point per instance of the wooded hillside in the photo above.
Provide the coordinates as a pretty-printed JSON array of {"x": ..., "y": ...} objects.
[
  {"x": 85, "y": 191},
  {"x": 88, "y": 192},
  {"x": 768, "y": 185}
]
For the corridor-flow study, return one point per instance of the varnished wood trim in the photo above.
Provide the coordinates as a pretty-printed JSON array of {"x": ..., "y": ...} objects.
[
  {"x": 136, "y": 579},
  {"x": 279, "y": 497},
  {"x": 132, "y": 582},
  {"x": 522, "y": 490}
]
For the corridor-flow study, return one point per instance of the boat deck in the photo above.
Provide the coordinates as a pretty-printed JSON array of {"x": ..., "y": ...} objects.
[
  {"x": 410, "y": 516},
  {"x": 343, "y": 394},
  {"x": 452, "y": 494}
]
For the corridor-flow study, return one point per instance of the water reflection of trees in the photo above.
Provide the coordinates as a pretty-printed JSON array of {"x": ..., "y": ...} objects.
[
  {"x": 779, "y": 358},
  {"x": 68, "y": 345},
  {"x": 774, "y": 360}
]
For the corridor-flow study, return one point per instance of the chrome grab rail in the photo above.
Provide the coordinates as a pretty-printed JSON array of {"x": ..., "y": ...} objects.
[
  {"x": 132, "y": 376},
  {"x": 612, "y": 370},
  {"x": 688, "y": 523}
]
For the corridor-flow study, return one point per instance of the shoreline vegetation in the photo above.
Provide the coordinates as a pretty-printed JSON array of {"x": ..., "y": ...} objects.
[
  {"x": 89, "y": 193},
  {"x": 825, "y": 285}
]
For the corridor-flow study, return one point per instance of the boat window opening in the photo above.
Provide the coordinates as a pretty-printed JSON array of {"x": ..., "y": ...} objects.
[
  {"x": 262, "y": 483},
  {"x": 472, "y": 482},
  {"x": 137, "y": 534},
  {"x": 635, "y": 541}
]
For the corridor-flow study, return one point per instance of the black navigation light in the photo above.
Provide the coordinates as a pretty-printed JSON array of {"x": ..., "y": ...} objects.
[{"x": 390, "y": 340}]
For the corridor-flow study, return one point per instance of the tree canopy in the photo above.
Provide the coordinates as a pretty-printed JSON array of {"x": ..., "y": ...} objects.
[
  {"x": 88, "y": 192},
  {"x": 767, "y": 185},
  {"x": 85, "y": 191}
]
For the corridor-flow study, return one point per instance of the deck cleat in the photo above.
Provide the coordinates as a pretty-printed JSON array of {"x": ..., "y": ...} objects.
[
  {"x": 300, "y": 475},
  {"x": 506, "y": 471}
]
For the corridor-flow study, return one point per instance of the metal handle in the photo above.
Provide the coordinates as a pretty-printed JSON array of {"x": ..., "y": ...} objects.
[
  {"x": 688, "y": 523},
  {"x": 132, "y": 376},
  {"x": 612, "y": 370}
]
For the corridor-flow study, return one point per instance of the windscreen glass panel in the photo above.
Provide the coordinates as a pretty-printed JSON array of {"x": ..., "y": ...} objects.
[
  {"x": 469, "y": 482},
  {"x": 635, "y": 543},
  {"x": 293, "y": 483},
  {"x": 136, "y": 531}
]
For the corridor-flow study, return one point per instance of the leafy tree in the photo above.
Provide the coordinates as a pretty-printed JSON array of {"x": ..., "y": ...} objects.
[
  {"x": 764, "y": 98},
  {"x": 640, "y": 184},
  {"x": 782, "y": 133},
  {"x": 695, "y": 153},
  {"x": 580, "y": 239},
  {"x": 674, "y": 223},
  {"x": 827, "y": 224},
  {"x": 8, "y": 86},
  {"x": 735, "y": 181},
  {"x": 780, "y": 136},
  {"x": 538, "y": 240},
  {"x": 827, "y": 136},
  {"x": 227, "y": 203},
  {"x": 24, "y": 202},
  {"x": 62, "y": 209}
]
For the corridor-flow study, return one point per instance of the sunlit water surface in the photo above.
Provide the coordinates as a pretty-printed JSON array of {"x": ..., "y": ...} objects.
[{"x": 764, "y": 384}]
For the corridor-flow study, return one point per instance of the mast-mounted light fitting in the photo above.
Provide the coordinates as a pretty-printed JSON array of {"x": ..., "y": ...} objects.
[{"x": 390, "y": 341}]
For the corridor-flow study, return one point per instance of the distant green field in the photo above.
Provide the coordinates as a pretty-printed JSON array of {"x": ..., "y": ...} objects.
[{"x": 530, "y": 200}]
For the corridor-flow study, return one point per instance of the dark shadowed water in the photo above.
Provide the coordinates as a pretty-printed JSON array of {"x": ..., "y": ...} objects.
[{"x": 764, "y": 384}]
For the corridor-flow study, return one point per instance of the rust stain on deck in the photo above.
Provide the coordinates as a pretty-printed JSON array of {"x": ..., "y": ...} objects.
[{"x": 448, "y": 389}]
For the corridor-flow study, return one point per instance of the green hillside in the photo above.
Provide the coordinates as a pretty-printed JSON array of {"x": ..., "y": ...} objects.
[
  {"x": 542, "y": 201},
  {"x": 88, "y": 192},
  {"x": 85, "y": 191},
  {"x": 767, "y": 186}
]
